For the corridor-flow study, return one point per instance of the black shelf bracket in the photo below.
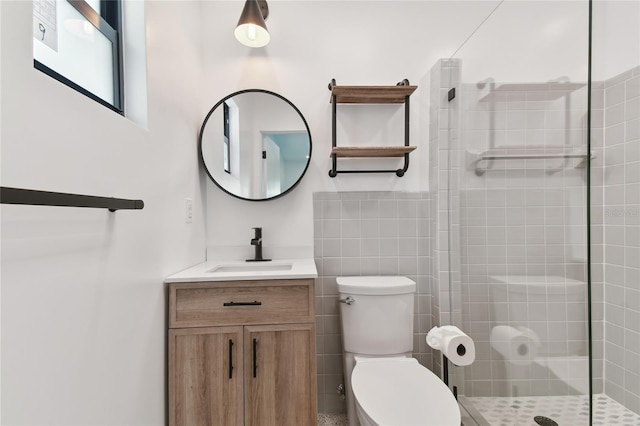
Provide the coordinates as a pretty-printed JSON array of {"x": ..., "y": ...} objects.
[
  {"x": 60, "y": 199},
  {"x": 334, "y": 108},
  {"x": 334, "y": 158},
  {"x": 451, "y": 94}
]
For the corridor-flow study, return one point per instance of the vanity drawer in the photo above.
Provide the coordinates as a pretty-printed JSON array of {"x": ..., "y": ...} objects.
[{"x": 240, "y": 302}]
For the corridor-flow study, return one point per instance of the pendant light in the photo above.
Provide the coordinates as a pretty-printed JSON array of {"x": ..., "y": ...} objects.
[{"x": 251, "y": 30}]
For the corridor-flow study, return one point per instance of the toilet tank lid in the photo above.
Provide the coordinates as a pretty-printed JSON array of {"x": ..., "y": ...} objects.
[{"x": 376, "y": 285}]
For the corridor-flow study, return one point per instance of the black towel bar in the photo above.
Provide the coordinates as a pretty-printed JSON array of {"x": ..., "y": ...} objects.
[{"x": 61, "y": 199}]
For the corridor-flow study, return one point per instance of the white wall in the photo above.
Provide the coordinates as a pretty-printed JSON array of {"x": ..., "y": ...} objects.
[
  {"x": 532, "y": 52},
  {"x": 616, "y": 37},
  {"x": 529, "y": 41},
  {"x": 355, "y": 42},
  {"x": 83, "y": 307}
]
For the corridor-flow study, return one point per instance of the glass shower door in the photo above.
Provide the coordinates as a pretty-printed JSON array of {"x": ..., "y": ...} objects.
[{"x": 517, "y": 177}]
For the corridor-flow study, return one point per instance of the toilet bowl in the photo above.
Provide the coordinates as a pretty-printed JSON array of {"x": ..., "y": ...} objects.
[
  {"x": 383, "y": 384},
  {"x": 399, "y": 391}
]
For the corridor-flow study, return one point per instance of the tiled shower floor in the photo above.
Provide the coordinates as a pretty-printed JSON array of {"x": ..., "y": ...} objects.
[{"x": 564, "y": 410}]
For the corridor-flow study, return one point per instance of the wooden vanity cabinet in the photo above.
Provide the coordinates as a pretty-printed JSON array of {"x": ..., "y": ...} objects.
[
  {"x": 242, "y": 353},
  {"x": 206, "y": 376}
]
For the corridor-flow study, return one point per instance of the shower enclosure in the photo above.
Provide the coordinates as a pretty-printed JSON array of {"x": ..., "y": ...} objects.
[{"x": 539, "y": 158}]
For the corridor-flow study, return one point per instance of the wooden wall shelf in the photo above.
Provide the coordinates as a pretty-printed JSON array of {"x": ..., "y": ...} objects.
[
  {"x": 398, "y": 94},
  {"x": 371, "y": 151},
  {"x": 371, "y": 94}
]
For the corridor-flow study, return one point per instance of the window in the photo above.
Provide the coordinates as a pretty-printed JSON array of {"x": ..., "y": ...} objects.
[{"x": 78, "y": 43}]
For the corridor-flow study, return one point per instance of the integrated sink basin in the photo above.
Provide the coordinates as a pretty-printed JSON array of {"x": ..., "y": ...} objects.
[
  {"x": 239, "y": 270},
  {"x": 252, "y": 267}
]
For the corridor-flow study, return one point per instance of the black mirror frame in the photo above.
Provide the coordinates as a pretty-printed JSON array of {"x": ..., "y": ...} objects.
[{"x": 204, "y": 123}]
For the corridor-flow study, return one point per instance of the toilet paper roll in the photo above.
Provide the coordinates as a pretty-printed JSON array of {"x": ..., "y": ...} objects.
[
  {"x": 453, "y": 343},
  {"x": 518, "y": 346}
]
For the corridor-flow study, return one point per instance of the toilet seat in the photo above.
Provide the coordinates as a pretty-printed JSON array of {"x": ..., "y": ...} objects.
[{"x": 401, "y": 392}]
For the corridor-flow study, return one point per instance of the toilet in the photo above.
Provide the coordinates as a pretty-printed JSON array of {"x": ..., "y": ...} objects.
[{"x": 384, "y": 385}]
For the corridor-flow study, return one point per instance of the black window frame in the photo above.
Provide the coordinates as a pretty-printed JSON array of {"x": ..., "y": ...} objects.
[{"x": 109, "y": 23}]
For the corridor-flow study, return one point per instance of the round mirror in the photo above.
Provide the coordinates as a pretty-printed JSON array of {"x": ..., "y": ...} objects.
[{"x": 255, "y": 145}]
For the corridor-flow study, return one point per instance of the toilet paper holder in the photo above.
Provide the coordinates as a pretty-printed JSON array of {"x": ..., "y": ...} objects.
[
  {"x": 445, "y": 375},
  {"x": 461, "y": 350}
]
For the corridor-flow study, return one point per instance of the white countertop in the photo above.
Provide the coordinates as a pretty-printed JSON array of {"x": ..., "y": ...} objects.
[{"x": 229, "y": 270}]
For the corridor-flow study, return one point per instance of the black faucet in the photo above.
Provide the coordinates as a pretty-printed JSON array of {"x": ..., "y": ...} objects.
[{"x": 257, "y": 241}]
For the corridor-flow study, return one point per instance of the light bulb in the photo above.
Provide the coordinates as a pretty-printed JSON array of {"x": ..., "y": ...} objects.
[
  {"x": 252, "y": 35},
  {"x": 251, "y": 32}
]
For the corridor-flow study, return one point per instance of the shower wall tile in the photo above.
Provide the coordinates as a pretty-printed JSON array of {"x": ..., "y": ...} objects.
[
  {"x": 367, "y": 233},
  {"x": 620, "y": 212}
]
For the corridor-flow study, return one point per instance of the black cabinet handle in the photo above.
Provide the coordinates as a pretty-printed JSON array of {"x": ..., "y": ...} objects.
[
  {"x": 254, "y": 303},
  {"x": 230, "y": 359},
  {"x": 255, "y": 357}
]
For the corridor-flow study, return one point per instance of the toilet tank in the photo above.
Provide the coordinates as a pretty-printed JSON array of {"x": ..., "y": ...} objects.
[{"x": 379, "y": 321}]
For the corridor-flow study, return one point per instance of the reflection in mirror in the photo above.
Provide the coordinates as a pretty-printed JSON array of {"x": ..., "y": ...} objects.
[{"x": 255, "y": 145}]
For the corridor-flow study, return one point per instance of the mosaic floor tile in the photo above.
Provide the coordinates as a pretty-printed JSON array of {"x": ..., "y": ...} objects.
[
  {"x": 520, "y": 411},
  {"x": 564, "y": 410}
]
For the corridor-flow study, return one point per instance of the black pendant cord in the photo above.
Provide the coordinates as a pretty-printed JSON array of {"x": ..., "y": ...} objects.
[{"x": 60, "y": 199}]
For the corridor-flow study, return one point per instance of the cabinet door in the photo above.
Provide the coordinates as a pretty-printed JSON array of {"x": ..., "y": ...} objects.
[
  {"x": 280, "y": 375},
  {"x": 205, "y": 376}
]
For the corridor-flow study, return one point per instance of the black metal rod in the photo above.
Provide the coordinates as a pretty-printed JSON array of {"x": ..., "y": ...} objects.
[
  {"x": 254, "y": 303},
  {"x": 445, "y": 370},
  {"x": 407, "y": 116},
  {"x": 255, "y": 357},
  {"x": 588, "y": 214},
  {"x": 402, "y": 171},
  {"x": 334, "y": 161},
  {"x": 367, "y": 171},
  {"x": 334, "y": 131},
  {"x": 230, "y": 359},
  {"x": 61, "y": 199}
]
